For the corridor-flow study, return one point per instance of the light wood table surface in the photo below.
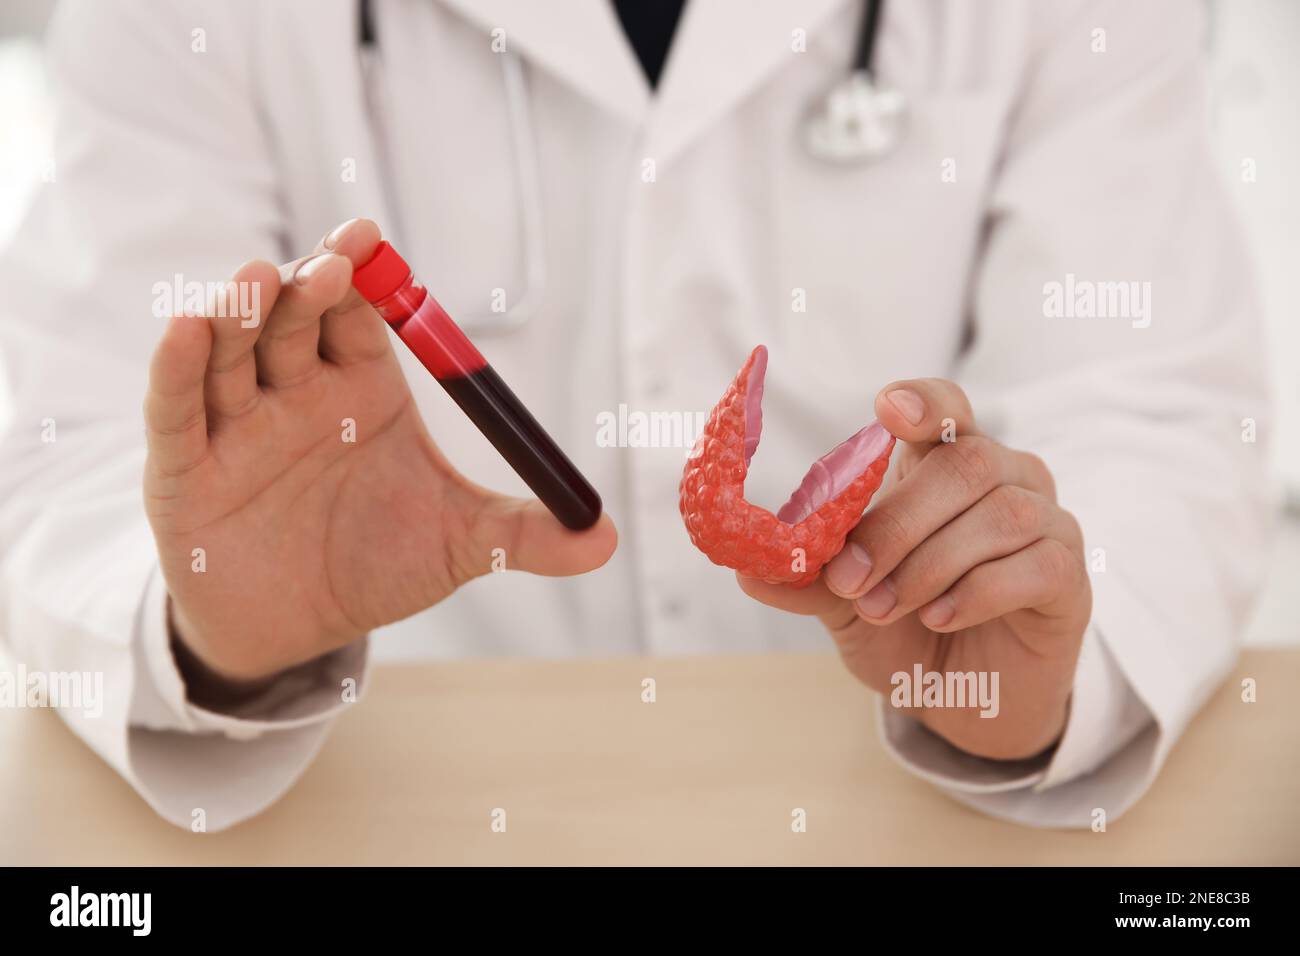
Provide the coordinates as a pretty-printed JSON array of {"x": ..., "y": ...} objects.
[{"x": 709, "y": 773}]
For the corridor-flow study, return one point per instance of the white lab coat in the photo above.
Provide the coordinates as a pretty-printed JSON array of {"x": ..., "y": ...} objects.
[{"x": 1067, "y": 161}]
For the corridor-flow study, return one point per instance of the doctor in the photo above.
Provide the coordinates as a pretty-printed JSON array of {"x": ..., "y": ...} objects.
[{"x": 891, "y": 201}]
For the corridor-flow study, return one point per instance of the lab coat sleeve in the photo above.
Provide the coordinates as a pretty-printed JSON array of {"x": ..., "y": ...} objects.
[
  {"x": 160, "y": 170},
  {"x": 1149, "y": 419}
]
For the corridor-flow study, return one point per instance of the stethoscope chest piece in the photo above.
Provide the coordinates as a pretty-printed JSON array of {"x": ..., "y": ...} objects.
[{"x": 857, "y": 123}]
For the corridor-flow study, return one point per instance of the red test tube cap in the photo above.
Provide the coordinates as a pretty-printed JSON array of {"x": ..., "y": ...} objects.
[{"x": 382, "y": 275}]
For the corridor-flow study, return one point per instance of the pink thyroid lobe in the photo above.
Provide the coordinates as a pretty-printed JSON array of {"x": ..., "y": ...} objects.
[{"x": 831, "y": 473}]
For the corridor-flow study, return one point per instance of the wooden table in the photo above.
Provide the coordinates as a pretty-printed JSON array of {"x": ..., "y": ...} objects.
[{"x": 709, "y": 773}]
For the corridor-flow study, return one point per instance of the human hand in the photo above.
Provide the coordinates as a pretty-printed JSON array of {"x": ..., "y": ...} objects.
[
  {"x": 964, "y": 563},
  {"x": 311, "y": 539}
]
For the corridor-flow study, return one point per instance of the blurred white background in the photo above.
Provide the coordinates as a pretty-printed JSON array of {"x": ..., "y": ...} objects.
[{"x": 1255, "y": 75}]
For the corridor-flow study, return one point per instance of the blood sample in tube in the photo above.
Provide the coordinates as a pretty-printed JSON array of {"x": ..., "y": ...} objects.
[{"x": 388, "y": 284}]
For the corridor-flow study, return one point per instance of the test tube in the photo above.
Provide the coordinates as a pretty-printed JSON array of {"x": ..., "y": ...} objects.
[{"x": 387, "y": 283}]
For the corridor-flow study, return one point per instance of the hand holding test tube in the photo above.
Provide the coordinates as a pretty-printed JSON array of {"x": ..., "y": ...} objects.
[{"x": 295, "y": 495}]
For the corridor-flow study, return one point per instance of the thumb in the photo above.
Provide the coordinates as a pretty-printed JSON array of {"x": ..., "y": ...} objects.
[
  {"x": 925, "y": 411},
  {"x": 520, "y": 534},
  {"x": 921, "y": 413}
]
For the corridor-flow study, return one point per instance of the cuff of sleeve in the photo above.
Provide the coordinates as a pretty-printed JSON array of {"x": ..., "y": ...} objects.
[
  {"x": 310, "y": 694},
  {"x": 1105, "y": 715},
  {"x": 930, "y": 757}
]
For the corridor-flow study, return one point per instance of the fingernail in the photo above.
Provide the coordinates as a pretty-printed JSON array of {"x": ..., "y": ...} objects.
[
  {"x": 879, "y": 601},
  {"x": 939, "y": 612},
  {"x": 908, "y": 403},
  {"x": 848, "y": 570},
  {"x": 310, "y": 267},
  {"x": 336, "y": 234}
]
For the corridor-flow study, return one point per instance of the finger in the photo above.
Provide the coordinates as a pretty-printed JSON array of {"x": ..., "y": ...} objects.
[
  {"x": 926, "y": 412},
  {"x": 923, "y": 411},
  {"x": 815, "y": 599},
  {"x": 950, "y": 479},
  {"x": 287, "y": 348},
  {"x": 351, "y": 331},
  {"x": 1047, "y": 577},
  {"x": 175, "y": 418},
  {"x": 1004, "y": 521},
  {"x": 520, "y": 534},
  {"x": 230, "y": 389}
]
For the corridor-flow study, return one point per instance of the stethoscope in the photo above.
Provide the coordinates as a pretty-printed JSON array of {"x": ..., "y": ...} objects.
[
  {"x": 524, "y": 149},
  {"x": 858, "y": 122}
]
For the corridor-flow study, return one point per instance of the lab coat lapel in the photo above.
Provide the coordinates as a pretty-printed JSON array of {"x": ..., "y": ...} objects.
[
  {"x": 722, "y": 51},
  {"x": 580, "y": 41}
]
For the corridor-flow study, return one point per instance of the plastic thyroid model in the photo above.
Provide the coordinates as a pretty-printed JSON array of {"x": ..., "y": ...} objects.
[{"x": 791, "y": 546}]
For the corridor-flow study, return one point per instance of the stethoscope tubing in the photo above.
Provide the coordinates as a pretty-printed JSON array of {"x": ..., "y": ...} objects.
[
  {"x": 829, "y": 138},
  {"x": 524, "y": 150}
]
